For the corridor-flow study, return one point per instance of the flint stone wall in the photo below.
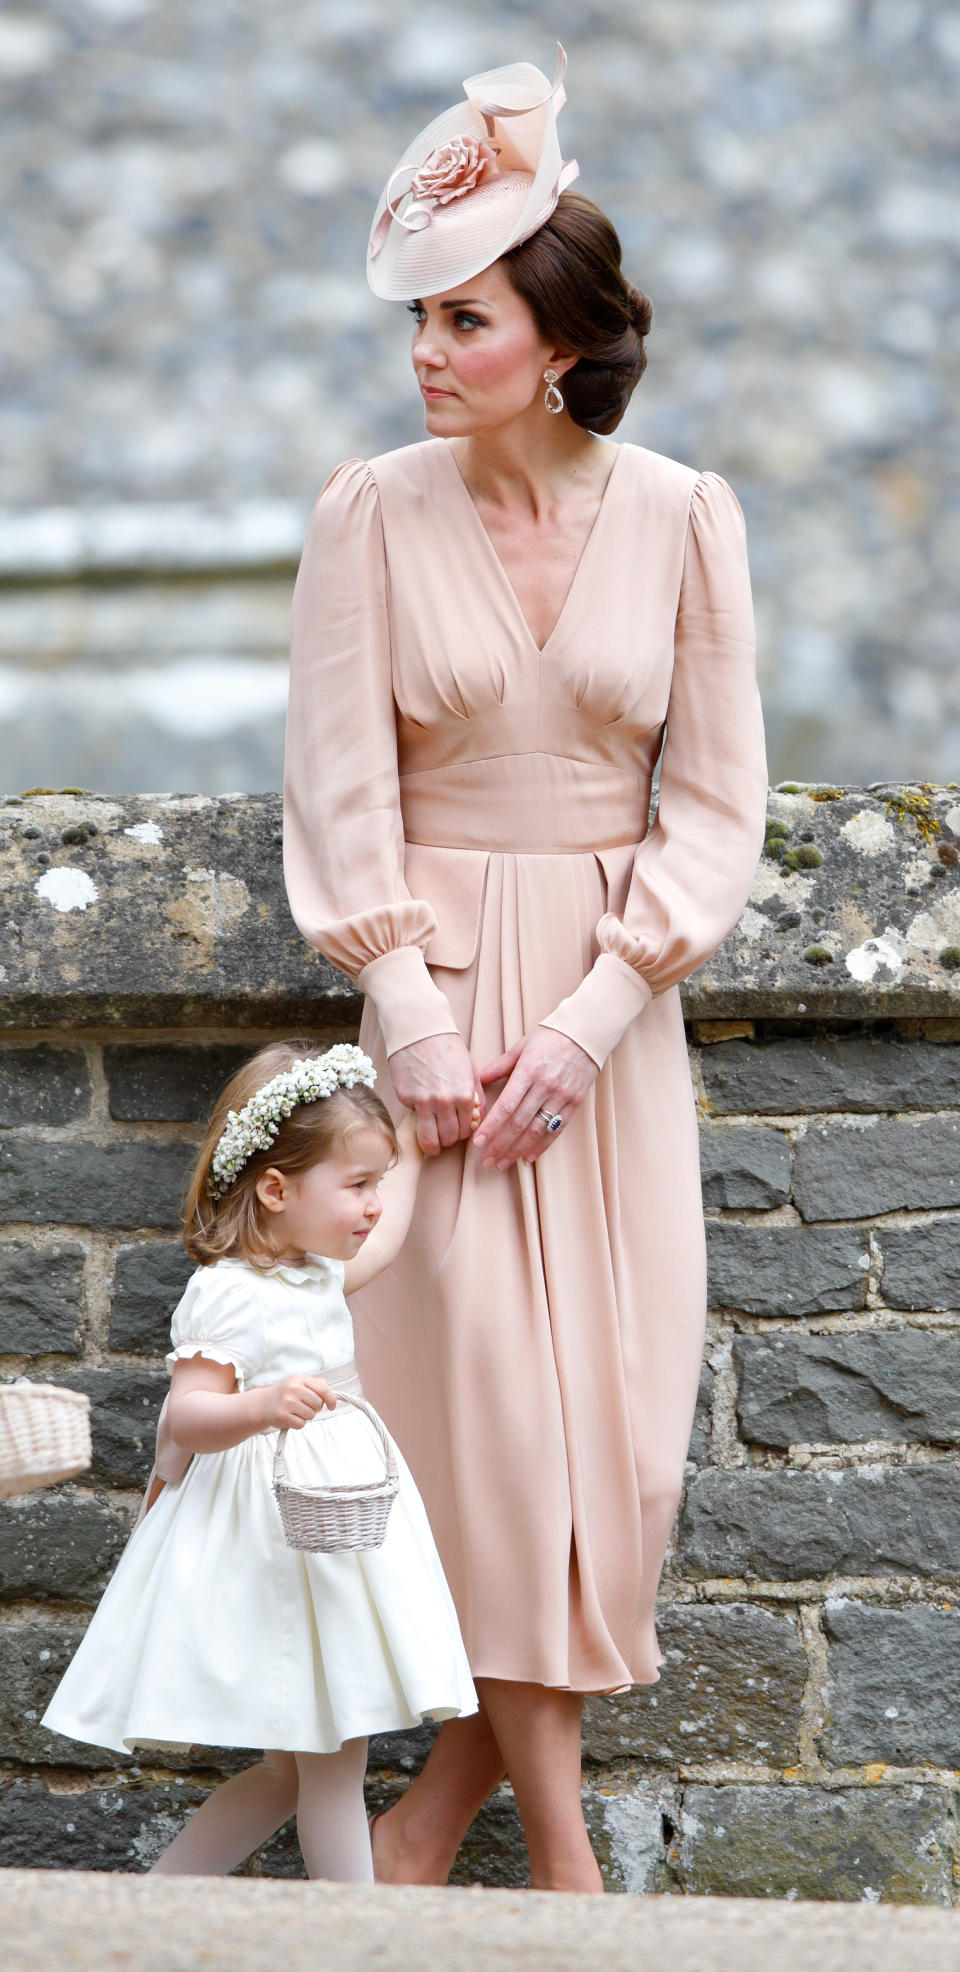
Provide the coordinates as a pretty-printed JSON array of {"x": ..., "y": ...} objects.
[{"x": 803, "y": 1738}]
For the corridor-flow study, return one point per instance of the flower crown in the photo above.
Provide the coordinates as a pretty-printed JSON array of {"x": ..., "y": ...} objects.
[{"x": 254, "y": 1127}]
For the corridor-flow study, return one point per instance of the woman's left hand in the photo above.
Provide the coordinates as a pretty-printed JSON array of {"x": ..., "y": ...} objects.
[{"x": 546, "y": 1071}]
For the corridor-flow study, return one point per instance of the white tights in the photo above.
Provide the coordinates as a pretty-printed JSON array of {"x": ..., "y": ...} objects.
[{"x": 324, "y": 1790}]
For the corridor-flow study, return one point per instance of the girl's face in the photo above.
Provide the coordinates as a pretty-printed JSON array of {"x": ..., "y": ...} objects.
[
  {"x": 332, "y": 1206},
  {"x": 479, "y": 357}
]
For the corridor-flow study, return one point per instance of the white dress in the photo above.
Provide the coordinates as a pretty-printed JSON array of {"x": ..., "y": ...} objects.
[{"x": 213, "y": 1631}]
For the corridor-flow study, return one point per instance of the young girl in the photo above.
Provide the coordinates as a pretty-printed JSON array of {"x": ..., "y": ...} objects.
[{"x": 213, "y": 1631}]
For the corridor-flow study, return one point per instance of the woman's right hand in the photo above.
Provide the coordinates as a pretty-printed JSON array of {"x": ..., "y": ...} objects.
[
  {"x": 289, "y": 1405},
  {"x": 436, "y": 1078}
]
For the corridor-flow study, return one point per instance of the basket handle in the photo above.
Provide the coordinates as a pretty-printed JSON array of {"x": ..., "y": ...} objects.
[{"x": 359, "y": 1404}]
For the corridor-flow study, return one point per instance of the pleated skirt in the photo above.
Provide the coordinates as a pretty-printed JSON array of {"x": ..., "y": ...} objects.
[{"x": 535, "y": 1348}]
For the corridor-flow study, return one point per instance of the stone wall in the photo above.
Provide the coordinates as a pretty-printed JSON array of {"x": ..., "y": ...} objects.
[{"x": 803, "y": 1740}]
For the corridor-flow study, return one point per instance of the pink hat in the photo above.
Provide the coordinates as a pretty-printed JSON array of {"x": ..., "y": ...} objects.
[{"x": 477, "y": 181}]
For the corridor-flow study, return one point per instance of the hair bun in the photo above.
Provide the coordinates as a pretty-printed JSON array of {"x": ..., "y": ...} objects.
[{"x": 641, "y": 309}]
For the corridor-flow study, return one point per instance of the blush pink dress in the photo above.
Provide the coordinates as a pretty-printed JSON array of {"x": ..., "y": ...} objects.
[{"x": 467, "y": 836}]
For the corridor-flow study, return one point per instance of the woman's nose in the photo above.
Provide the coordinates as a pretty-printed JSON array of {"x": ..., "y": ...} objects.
[{"x": 427, "y": 353}]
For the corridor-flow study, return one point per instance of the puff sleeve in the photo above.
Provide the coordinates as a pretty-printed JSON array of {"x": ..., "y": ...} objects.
[
  {"x": 220, "y": 1317},
  {"x": 343, "y": 829},
  {"x": 693, "y": 870}
]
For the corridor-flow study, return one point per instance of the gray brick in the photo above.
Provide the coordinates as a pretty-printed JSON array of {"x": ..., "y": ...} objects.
[
  {"x": 33, "y": 1658},
  {"x": 125, "y": 1406},
  {"x": 731, "y": 1689},
  {"x": 42, "y": 1085},
  {"x": 795, "y": 1526},
  {"x": 894, "y": 1686},
  {"x": 168, "y": 1084},
  {"x": 786, "y": 1270},
  {"x": 921, "y": 1265},
  {"x": 59, "y": 1544},
  {"x": 84, "y": 1184},
  {"x": 848, "y": 1844},
  {"x": 701, "y": 1435},
  {"x": 149, "y": 1282},
  {"x": 124, "y": 1826},
  {"x": 744, "y": 1168},
  {"x": 863, "y": 1072},
  {"x": 39, "y": 1298},
  {"x": 819, "y": 1389},
  {"x": 853, "y": 1170}
]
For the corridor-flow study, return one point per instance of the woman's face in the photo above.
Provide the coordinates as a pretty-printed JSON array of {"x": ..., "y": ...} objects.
[{"x": 478, "y": 355}]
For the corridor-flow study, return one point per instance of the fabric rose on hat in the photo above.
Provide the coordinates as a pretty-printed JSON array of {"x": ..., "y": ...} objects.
[{"x": 454, "y": 168}]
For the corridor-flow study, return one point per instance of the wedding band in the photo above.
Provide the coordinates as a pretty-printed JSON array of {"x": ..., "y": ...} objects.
[{"x": 553, "y": 1123}]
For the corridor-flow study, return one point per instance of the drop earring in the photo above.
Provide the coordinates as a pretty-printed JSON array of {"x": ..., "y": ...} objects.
[{"x": 551, "y": 396}]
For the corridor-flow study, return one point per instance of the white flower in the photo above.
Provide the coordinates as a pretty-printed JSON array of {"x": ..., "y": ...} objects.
[{"x": 254, "y": 1127}]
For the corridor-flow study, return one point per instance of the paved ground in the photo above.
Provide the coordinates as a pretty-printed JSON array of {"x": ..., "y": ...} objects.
[{"x": 74, "y": 1921}]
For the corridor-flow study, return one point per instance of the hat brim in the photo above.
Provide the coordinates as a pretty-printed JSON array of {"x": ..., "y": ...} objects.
[{"x": 472, "y": 231}]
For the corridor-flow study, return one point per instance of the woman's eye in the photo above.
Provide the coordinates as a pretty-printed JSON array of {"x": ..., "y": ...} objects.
[
  {"x": 464, "y": 320},
  {"x": 419, "y": 314}
]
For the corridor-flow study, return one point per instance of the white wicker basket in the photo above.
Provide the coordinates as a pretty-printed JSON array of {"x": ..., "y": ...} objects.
[
  {"x": 331, "y": 1519},
  {"x": 44, "y": 1435}
]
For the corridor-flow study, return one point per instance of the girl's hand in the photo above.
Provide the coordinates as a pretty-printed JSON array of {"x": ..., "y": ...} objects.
[
  {"x": 437, "y": 1080},
  {"x": 288, "y": 1406},
  {"x": 546, "y": 1071}
]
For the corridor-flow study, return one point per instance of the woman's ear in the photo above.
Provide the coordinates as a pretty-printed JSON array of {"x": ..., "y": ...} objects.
[
  {"x": 562, "y": 361},
  {"x": 272, "y": 1189}
]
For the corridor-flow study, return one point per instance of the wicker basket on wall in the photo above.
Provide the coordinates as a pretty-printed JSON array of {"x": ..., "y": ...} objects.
[{"x": 44, "y": 1436}]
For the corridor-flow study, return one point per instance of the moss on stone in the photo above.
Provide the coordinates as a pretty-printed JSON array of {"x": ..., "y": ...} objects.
[
  {"x": 818, "y": 955},
  {"x": 825, "y": 793},
  {"x": 949, "y": 958},
  {"x": 789, "y": 787},
  {"x": 804, "y": 858}
]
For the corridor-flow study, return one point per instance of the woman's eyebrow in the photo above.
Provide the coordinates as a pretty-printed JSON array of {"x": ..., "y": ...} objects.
[{"x": 465, "y": 301}]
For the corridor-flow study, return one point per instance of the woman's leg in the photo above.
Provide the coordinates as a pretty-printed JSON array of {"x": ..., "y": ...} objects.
[
  {"x": 416, "y": 1841},
  {"x": 234, "y": 1820},
  {"x": 538, "y": 1732},
  {"x": 331, "y": 1816}
]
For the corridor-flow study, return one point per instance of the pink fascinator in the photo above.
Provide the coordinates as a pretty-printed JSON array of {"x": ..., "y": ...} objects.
[{"x": 477, "y": 181}]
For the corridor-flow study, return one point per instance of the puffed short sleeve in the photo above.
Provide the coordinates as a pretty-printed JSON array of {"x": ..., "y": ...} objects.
[
  {"x": 343, "y": 845},
  {"x": 220, "y": 1318}
]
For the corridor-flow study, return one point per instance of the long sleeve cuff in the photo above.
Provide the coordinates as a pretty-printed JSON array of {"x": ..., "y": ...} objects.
[
  {"x": 409, "y": 1006},
  {"x": 598, "y": 1014}
]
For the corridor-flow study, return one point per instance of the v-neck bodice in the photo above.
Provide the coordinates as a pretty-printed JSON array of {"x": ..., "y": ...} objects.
[
  {"x": 428, "y": 732},
  {"x": 499, "y": 571}
]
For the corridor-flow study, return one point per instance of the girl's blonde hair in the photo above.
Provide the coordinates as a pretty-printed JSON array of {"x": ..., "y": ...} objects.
[{"x": 233, "y": 1226}]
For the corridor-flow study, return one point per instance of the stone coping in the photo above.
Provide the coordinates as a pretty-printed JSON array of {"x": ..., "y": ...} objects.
[
  {"x": 169, "y": 910},
  {"x": 198, "y": 1924},
  {"x": 61, "y": 544}
]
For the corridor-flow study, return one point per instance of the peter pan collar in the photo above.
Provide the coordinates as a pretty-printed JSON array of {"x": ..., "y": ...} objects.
[{"x": 316, "y": 1269}]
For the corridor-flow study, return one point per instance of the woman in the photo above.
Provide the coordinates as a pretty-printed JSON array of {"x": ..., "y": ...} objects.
[{"x": 491, "y": 631}]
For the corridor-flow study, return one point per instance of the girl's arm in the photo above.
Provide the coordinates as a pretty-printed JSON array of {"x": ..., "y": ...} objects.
[
  {"x": 398, "y": 1191},
  {"x": 207, "y": 1413}
]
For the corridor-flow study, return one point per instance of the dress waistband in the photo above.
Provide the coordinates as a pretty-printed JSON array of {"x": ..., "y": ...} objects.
[
  {"x": 526, "y": 803},
  {"x": 343, "y": 1380}
]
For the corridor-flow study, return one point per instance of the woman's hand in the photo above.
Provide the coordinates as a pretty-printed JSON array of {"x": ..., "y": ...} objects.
[
  {"x": 546, "y": 1071},
  {"x": 437, "y": 1080},
  {"x": 289, "y": 1405}
]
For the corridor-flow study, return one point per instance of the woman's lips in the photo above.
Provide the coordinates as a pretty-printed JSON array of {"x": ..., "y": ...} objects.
[{"x": 431, "y": 390}]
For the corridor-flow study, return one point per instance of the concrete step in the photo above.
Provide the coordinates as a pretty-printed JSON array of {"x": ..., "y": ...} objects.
[{"x": 80, "y": 1922}]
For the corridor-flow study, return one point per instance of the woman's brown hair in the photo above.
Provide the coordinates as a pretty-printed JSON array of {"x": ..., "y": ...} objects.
[
  {"x": 570, "y": 276},
  {"x": 233, "y": 1226}
]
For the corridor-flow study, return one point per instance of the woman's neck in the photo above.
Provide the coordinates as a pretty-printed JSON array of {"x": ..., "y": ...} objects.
[{"x": 527, "y": 467}]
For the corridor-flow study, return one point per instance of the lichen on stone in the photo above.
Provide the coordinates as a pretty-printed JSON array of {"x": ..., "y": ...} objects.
[{"x": 914, "y": 804}]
